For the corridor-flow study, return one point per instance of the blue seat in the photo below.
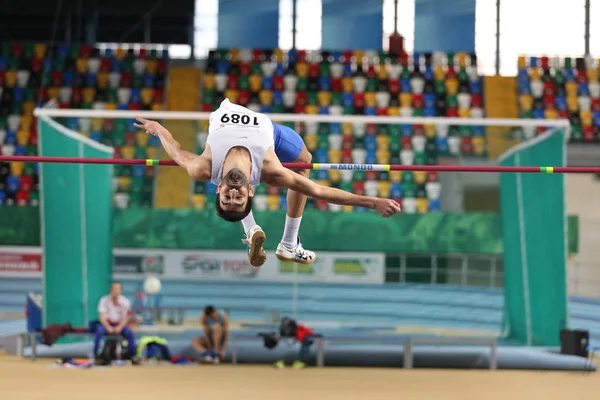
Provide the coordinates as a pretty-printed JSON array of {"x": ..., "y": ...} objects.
[
  {"x": 321, "y": 175},
  {"x": 72, "y": 123},
  {"x": 2, "y": 197},
  {"x": 405, "y": 85},
  {"x": 406, "y": 130},
  {"x": 293, "y": 56},
  {"x": 267, "y": 82},
  {"x": 435, "y": 206},
  {"x": 347, "y": 73},
  {"x": 63, "y": 51},
  {"x": 321, "y": 156},
  {"x": 428, "y": 73},
  {"x": 596, "y": 117},
  {"x": 19, "y": 94},
  {"x": 370, "y": 111},
  {"x": 442, "y": 145},
  {"x": 153, "y": 141},
  {"x": 138, "y": 171},
  {"x": 429, "y": 99},
  {"x": 324, "y": 110},
  {"x": 12, "y": 184},
  {"x": 429, "y": 112},
  {"x": 222, "y": 66},
  {"x": 136, "y": 96},
  {"x": 279, "y": 70},
  {"x": 149, "y": 80},
  {"x": 48, "y": 64},
  {"x": 277, "y": 98},
  {"x": 533, "y": 62},
  {"x": 90, "y": 80},
  {"x": 336, "y": 56},
  {"x": 20, "y": 151},
  {"x": 396, "y": 190},
  {"x": 335, "y": 128},
  {"x": 538, "y": 114},
  {"x": 569, "y": 75},
  {"x": 68, "y": 78},
  {"x": 347, "y": 100},
  {"x": 117, "y": 66},
  {"x": 265, "y": 109},
  {"x": 11, "y": 137},
  {"x": 560, "y": 102},
  {"x": 96, "y": 136},
  {"x": 109, "y": 53},
  {"x": 477, "y": 130},
  {"x": 416, "y": 58},
  {"x": 210, "y": 188},
  {"x": 282, "y": 202},
  {"x": 165, "y": 54},
  {"x": 475, "y": 87},
  {"x": 122, "y": 107},
  {"x": 371, "y": 142},
  {"x": 371, "y": 158},
  {"x": 3, "y": 63},
  {"x": 325, "y": 83},
  {"x": 583, "y": 89}
]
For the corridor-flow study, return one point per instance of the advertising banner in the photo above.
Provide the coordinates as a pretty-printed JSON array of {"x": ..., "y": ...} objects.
[{"x": 21, "y": 262}]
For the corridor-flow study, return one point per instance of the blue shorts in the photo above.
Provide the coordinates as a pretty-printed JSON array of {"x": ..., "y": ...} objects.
[{"x": 288, "y": 144}]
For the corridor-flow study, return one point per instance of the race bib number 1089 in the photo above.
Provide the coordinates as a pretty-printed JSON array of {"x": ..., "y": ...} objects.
[{"x": 239, "y": 119}]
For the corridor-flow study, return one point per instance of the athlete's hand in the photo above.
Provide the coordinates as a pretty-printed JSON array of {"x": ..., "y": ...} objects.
[
  {"x": 387, "y": 207},
  {"x": 151, "y": 127}
]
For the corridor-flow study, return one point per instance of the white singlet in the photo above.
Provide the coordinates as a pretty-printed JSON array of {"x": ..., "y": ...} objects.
[{"x": 232, "y": 126}]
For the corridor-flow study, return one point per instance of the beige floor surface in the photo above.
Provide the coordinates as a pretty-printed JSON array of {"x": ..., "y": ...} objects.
[{"x": 23, "y": 380}]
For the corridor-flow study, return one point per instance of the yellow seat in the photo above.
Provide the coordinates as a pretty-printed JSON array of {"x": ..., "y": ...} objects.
[
  {"x": 335, "y": 176},
  {"x": 311, "y": 109},
  {"x": 209, "y": 82},
  {"x": 478, "y": 143},
  {"x": 335, "y": 156},
  {"x": 324, "y": 98},
  {"x": 157, "y": 107},
  {"x": 571, "y": 89},
  {"x": 526, "y": 102},
  {"x": 127, "y": 152},
  {"x": 10, "y": 79},
  {"x": 383, "y": 142},
  {"x": 16, "y": 168},
  {"x": 28, "y": 107},
  {"x": 123, "y": 183},
  {"x": 586, "y": 118},
  {"x": 265, "y": 97},
  {"x": 235, "y": 55},
  {"x": 439, "y": 74},
  {"x": 255, "y": 82},
  {"x": 110, "y": 106},
  {"x": 22, "y": 138},
  {"x": 311, "y": 141},
  {"x": 405, "y": 99},
  {"x": 348, "y": 208},
  {"x": 347, "y": 129},
  {"x": 464, "y": 112},
  {"x": 273, "y": 203},
  {"x": 553, "y": 114},
  {"x": 199, "y": 201},
  {"x": 89, "y": 94},
  {"x": 40, "y": 50},
  {"x": 370, "y": 99},
  {"x": 120, "y": 53},
  {"x": 383, "y": 156},
  {"x": 592, "y": 75},
  {"x": 358, "y": 56},
  {"x": 323, "y": 182},
  {"x": 204, "y": 125},
  {"x": 572, "y": 103},
  {"x": 534, "y": 74},
  {"x": 141, "y": 138},
  {"x": 81, "y": 65},
  {"x": 233, "y": 95},
  {"x": 396, "y": 176},
  {"x": 422, "y": 206},
  {"x": 84, "y": 133},
  {"x": 347, "y": 85},
  {"x": 26, "y": 121},
  {"x": 151, "y": 66},
  {"x": 521, "y": 63},
  {"x": 147, "y": 96},
  {"x": 393, "y": 111},
  {"x": 384, "y": 189},
  {"x": 152, "y": 152},
  {"x": 52, "y": 92},
  {"x": 452, "y": 86},
  {"x": 462, "y": 59},
  {"x": 382, "y": 72},
  {"x": 278, "y": 55},
  {"x": 420, "y": 177},
  {"x": 302, "y": 69},
  {"x": 97, "y": 124}
]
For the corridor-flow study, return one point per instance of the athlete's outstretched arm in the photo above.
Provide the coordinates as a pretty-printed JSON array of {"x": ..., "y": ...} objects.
[
  {"x": 288, "y": 179},
  {"x": 189, "y": 161}
]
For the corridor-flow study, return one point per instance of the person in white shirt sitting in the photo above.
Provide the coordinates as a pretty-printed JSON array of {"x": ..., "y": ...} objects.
[{"x": 114, "y": 310}]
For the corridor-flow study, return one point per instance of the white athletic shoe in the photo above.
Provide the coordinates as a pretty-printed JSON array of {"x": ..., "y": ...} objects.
[
  {"x": 297, "y": 254},
  {"x": 255, "y": 238}
]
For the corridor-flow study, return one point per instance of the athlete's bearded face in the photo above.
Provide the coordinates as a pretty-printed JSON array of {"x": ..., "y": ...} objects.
[{"x": 234, "y": 190}]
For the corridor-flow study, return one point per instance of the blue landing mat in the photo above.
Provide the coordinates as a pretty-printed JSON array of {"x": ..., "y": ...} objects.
[{"x": 425, "y": 356}]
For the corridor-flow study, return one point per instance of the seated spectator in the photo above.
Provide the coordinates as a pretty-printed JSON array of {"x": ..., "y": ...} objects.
[
  {"x": 114, "y": 310},
  {"x": 302, "y": 334},
  {"x": 213, "y": 344}
]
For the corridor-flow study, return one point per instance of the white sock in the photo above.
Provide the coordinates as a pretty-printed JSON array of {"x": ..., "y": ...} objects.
[
  {"x": 290, "y": 232},
  {"x": 248, "y": 222}
]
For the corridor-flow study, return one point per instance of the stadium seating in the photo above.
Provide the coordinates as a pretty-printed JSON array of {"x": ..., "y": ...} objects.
[
  {"x": 78, "y": 77},
  {"x": 355, "y": 83},
  {"x": 561, "y": 88}
]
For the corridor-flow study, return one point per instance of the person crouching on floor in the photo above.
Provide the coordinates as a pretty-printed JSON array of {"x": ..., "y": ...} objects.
[
  {"x": 289, "y": 328},
  {"x": 213, "y": 344}
]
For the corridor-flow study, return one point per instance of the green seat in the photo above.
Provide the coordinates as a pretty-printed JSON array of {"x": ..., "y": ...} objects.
[
  {"x": 118, "y": 138},
  {"x": 324, "y": 128},
  {"x": 138, "y": 81},
  {"x": 431, "y": 158},
  {"x": 336, "y": 99},
  {"x": 395, "y": 160},
  {"x": 106, "y": 139},
  {"x": 117, "y": 170},
  {"x": 453, "y": 130},
  {"x": 256, "y": 69},
  {"x": 408, "y": 177},
  {"x": 568, "y": 63},
  {"x": 3, "y": 119},
  {"x": 431, "y": 145},
  {"x": 311, "y": 98},
  {"x": 325, "y": 69},
  {"x": 465, "y": 131},
  {"x": 120, "y": 125},
  {"x": 208, "y": 96},
  {"x": 440, "y": 87},
  {"x": 244, "y": 83},
  {"x": 277, "y": 109},
  {"x": 359, "y": 142},
  {"x": 526, "y": 114},
  {"x": 346, "y": 186},
  {"x": 261, "y": 189},
  {"x": 418, "y": 112},
  {"x": 383, "y": 176},
  {"x": 359, "y": 176},
  {"x": 310, "y": 204},
  {"x": 302, "y": 84},
  {"x": 17, "y": 107},
  {"x": 450, "y": 58},
  {"x": 14, "y": 64},
  {"x": 371, "y": 85},
  {"x": 409, "y": 189},
  {"x": 452, "y": 101},
  {"x": 405, "y": 74},
  {"x": 127, "y": 65},
  {"x": 559, "y": 78},
  {"x": 153, "y": 54},
  {"x": 29, "y": 169},
  {"x": 419, "y": 158},
  {"x": 576, "y": 133},
  {"x": 323, "y": 143},
  {"x": 30, "y": 94},
  {"x": 87, "y": 106},
  {"x": 394, "y": 130},
  {"x": 28, "y": 51},
  {"x": 135, "y": 199},
  {"x": 395, "y": 145},
  {"x": 421, "y": 192},
  {"x": 289, "y": 124},
  {"x": 59, "y": 64},
  {"x": 5, "y": 49},
  {"x": 126, "y": 170},
  {"x": 74, "y": 51},
  {"x": 46, "y": 79},
  {"x": 463, "y": 76},
  {"x": 348, "y": 110},
  {"x": 32, "y": 150},
  {"x": 223, "y": 54},
  {"x": 137, "y": 183},
  {"x": 34, "y": 198},
  {"x": 111, "y": 95},
  {"x": 140, "y": 153}
]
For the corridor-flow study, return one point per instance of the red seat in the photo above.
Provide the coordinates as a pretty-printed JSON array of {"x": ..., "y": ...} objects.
[
  {"x": 347, "y": 156},
  {"x": 77, "y": 96},
  {"x": 108, "y": 125},
  {"x": 336, "y": 85},
  {"x": 432, "y": 176},
  {"x": 544, "y": 62},
  {"x": 245, "y": 69},
  {"x": 301, "y": 56},
  {"x": 134, "y": 106},
  {"x": 371, "y": 175},
  {"x": 371, "y": 129},
  {"x": 404, "y": 58},
  {"x": 258, "y": 55},
  {"x": 382, "y": 111},
  {"x": 26, "y": 183},
  {"x": 244, "y": 97},
  {"x": 207, "y": 107},
  {"x": 399, "y": 201},
  {"x": 37, "y": 64},
  {"x": 596, "y": 104},
  {"x": 358, "y": 188},
  {"x": 394, "y": 86},
  {"x": 581, "y": 75},
  {"x": 347, "y": 143},
  {"x": 563, "y": 114},
  {"x": 64, "y": 105},
  {"x": 105, "y": 65},
  {"x": 322, "y": 205},
  {"x": 359, "y": 99},
  {"x": 314, "y": 70},
  {"x": 17, "y": 50},
  {"x": 301, "y": 99},
  {"x": 159, "y": 95},
  {"x": 22, "y": 198},
  {"x": 451, "y": 73},
  {"x": 117, "y": 152},
  {"x": 406, "y": 142},
  {"x": 418, "y": 129},
  {"x": 549, "y": 88},
  {"x": 549, "y": 102},
  {"x": 466, "y": 145},
  {"x": 33, "y": 138},
  {"x": 452, "y": 112},
  {"x": 85, "y": 51},
  {"x": 278, "y": 83},
  {"x": 299, "y": 109},
  {"x": 143, "y": 54},
  {"x": 232, "y": 81},
  {"x": 476, "y": 100},
  {"x": 588, "y": 134},
  {"x": 371, "y": 73},
  {"x": 130, "y": 138},
  {"x": 2, "y": 76},
  {"x": 273, "y": 190},
  {"x": 417, "y": 101},
  {"x": 150, "y": 172},
  {"x": 56, "y": 78},
  {"x": 347, "y": 54},
  {"x": 126, "y": 79},
  {"x": 161, "y": 68}
]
